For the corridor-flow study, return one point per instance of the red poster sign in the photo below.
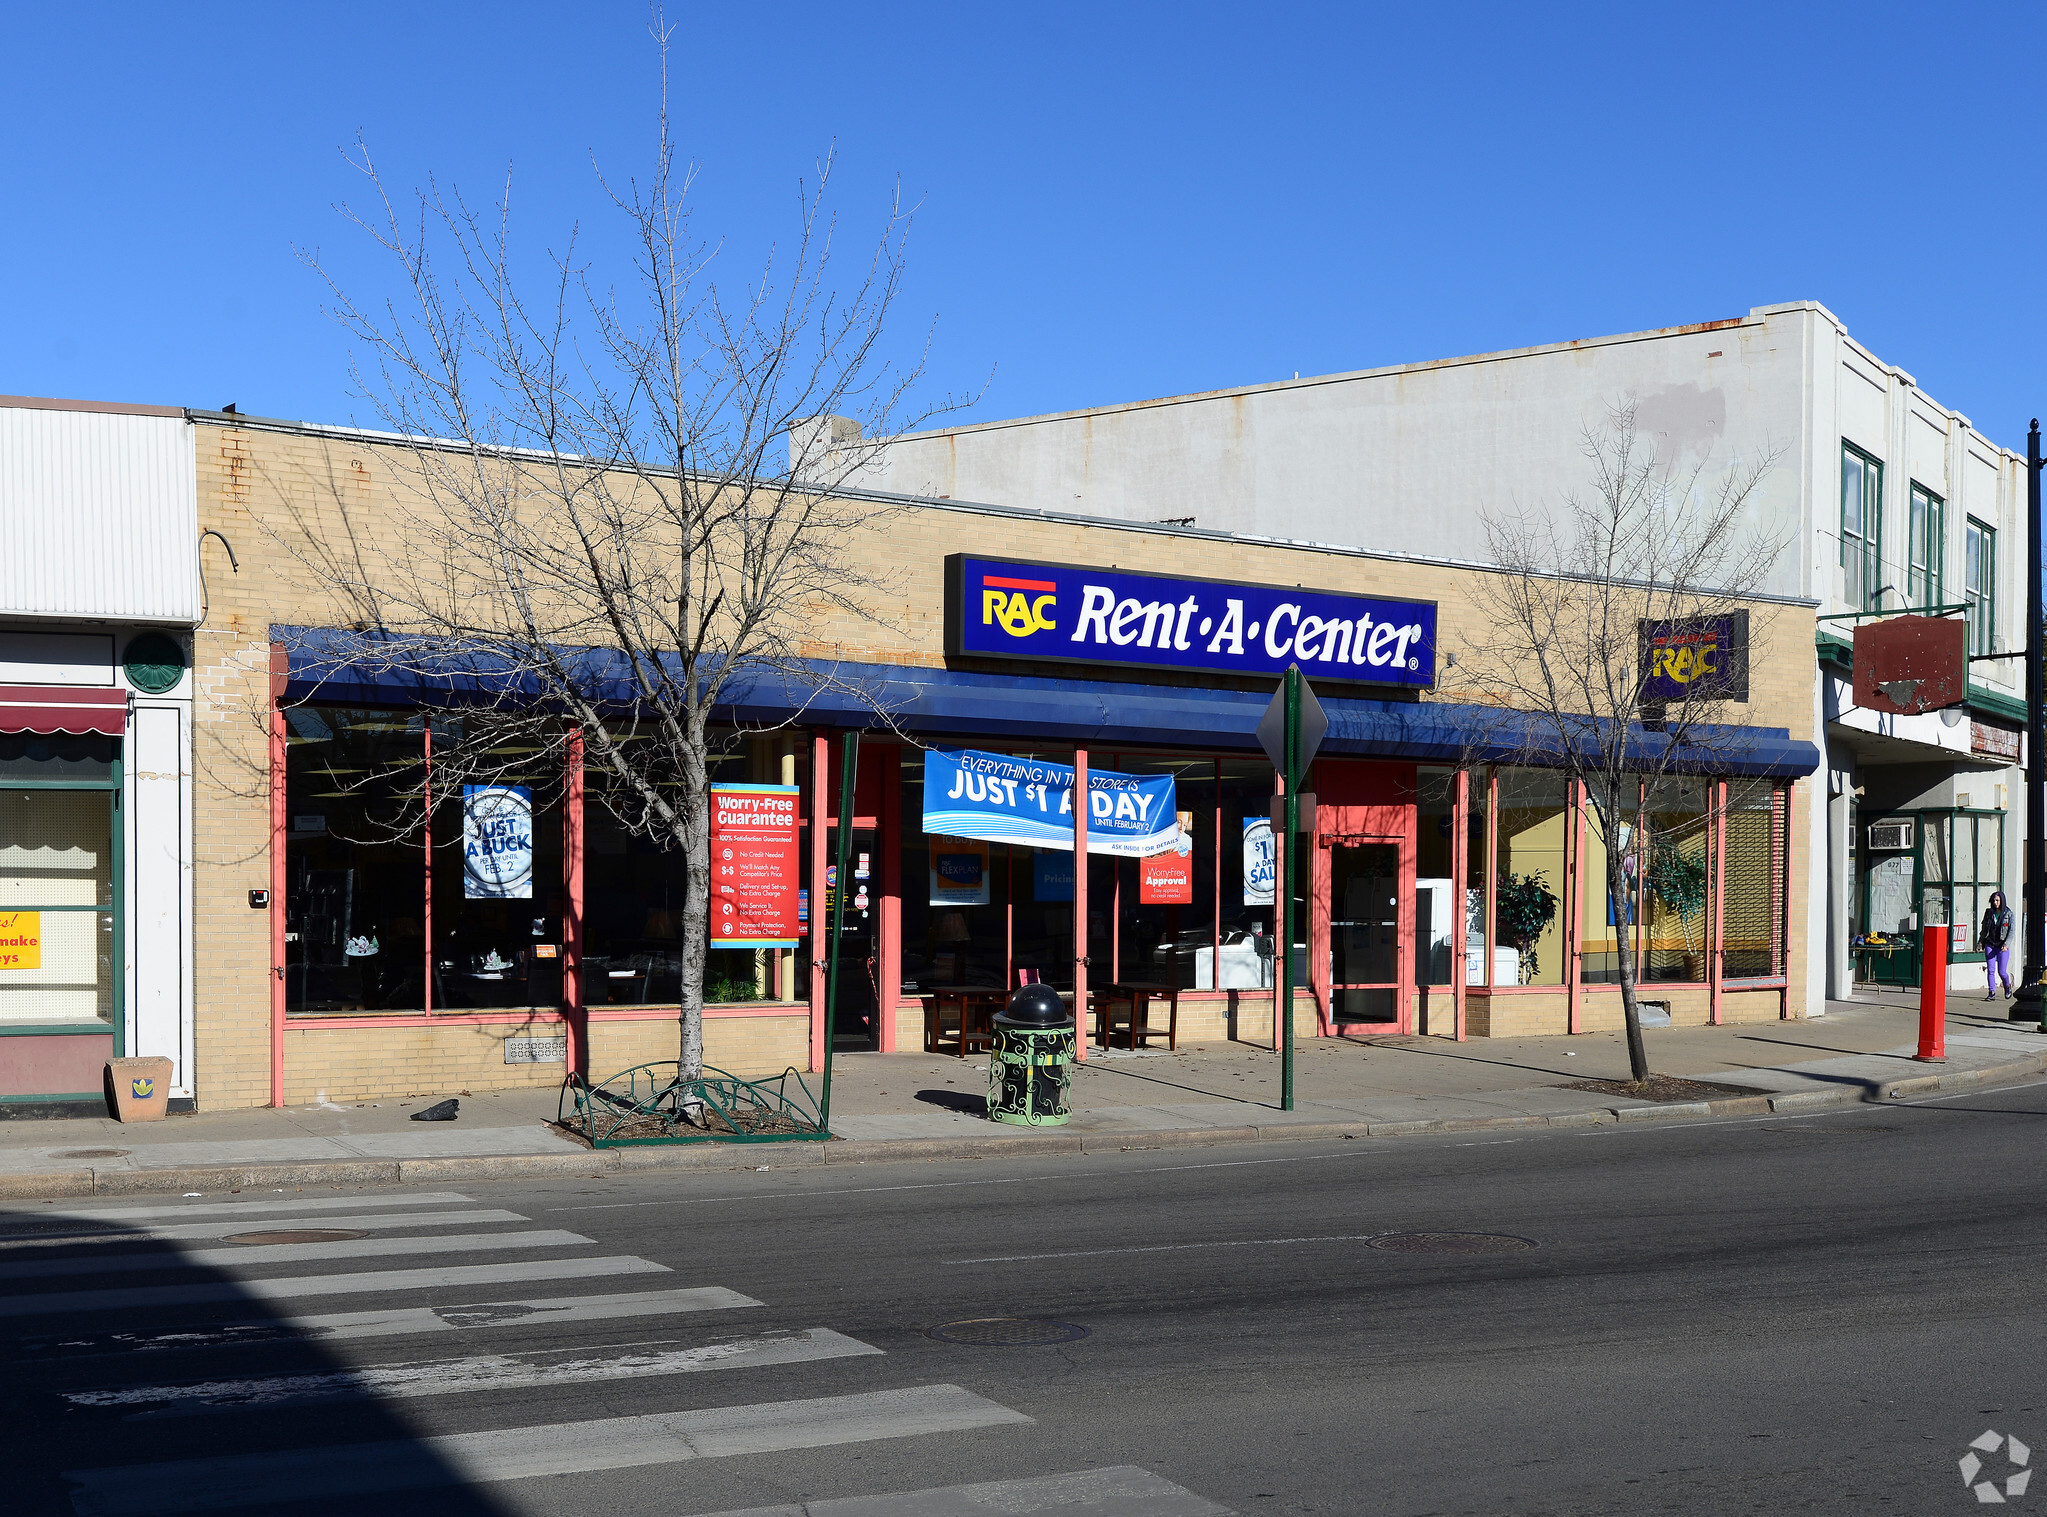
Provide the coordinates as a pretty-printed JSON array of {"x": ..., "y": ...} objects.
[
  {"x": 753, "y": 866},
  {"x": 1167, "y": 879}
]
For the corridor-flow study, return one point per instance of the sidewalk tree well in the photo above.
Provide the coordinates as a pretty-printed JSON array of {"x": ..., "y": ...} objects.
[
  {"x": 622, "y": 497},
  {"x": 1612, "y": 642}
]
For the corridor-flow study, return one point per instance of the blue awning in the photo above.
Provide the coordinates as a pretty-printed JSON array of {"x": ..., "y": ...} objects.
[{"x": 341, "y": 667}]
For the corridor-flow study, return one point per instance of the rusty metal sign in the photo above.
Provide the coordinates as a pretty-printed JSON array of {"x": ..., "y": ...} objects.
[{"x": 1910, "y": 665}]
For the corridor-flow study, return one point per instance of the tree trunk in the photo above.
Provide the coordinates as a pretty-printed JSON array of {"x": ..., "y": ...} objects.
[
  {"x": 696, "y": 918},
  {"x": 1625, "y": 908}
]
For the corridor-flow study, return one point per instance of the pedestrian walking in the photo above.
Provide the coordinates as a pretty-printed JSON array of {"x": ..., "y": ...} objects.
[{"x": 1994, "y": 938}]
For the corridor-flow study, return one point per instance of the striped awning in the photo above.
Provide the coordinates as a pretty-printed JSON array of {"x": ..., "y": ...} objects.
[{"x": 76, "y": 709}]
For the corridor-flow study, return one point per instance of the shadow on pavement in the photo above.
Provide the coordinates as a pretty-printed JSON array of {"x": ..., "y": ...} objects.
[{"x": 93, "y": 1313}]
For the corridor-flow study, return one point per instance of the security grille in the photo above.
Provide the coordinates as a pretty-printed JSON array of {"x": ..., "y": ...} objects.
[{"x": 536, "y": 1050}]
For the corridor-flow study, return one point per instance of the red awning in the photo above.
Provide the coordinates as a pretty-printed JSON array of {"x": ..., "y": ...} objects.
[{"x": 77, "y": 709}]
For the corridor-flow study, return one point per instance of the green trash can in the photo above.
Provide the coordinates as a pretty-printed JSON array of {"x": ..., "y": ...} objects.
[{"x": 1030, "y": 1065}]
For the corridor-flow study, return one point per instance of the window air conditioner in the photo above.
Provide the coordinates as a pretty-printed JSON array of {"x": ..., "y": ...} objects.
[{"x": 1889, "y": 837}]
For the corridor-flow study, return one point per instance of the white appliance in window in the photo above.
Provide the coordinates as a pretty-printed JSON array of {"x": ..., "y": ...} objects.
[{"x": 1889, "y": 837}]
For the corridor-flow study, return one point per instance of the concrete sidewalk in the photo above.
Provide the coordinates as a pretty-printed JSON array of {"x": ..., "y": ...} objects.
[{"x": 902, "y": 1106}]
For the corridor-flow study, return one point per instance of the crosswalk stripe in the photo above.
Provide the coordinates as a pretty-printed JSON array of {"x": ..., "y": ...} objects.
[
  {"x": 1124, "y": 1491},
  {"x": 542, "y": 1312},
  {"x": 143, "y": 1213},
  {"x": 483, "y": 1372},
  {"x": 221, "y": 1227},
  {"x": 288, "y": 1253},
  {"x": 566, "y": 1448},
  {"x": 229, "y": 1292}
]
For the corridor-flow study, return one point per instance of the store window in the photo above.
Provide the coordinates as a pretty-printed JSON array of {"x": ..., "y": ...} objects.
[
  {"x": 59, "y": 964},
  {"x": 1862, "y": 485},
  {"x": 1165, "y": 907},
  {"x": 1926, "y": 534},
  {"x": 1677, "y": 881},
  {"x": 1609, "y": 916},
  {"x": 1528, "y": 877},
  {"x": 1970, "y": 846},
  {"x": 355, "y": 917},
  {"x": 1756, "y": 876},
  {"x": 1438, "y": 914},
  {"x": 1979, "y": 587}
]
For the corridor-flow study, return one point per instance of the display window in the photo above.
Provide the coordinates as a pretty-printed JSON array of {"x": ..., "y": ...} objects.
[{"x": 59, "y": 959}]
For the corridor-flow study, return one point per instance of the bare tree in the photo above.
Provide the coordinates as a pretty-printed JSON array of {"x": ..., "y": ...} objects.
[
  {"x": 1587, "y": 647},
  {"x": 604, "y": 544}
]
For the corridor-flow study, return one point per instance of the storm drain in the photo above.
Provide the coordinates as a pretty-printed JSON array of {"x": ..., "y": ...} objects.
[
  {"x": 1452, "y": 1243},
  {"x": 296, "y": 1235},
  {"x": 94, "y": 1153},
  {"x": 1007, "y": 1332}
]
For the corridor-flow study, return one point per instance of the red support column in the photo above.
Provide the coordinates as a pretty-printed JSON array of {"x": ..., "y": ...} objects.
[
  {"x": 1281, "y": 907},
  {"x": 575, "y": 1013},
  {"x": 889, "y": 909},
  {"x": 1460, "y": 869},
  {"x": 278, "y": 886},
  {"x": 1080, "y": 804},
  {"x": 1492, "y": 854},
  {"x": 820, "y": 804}
]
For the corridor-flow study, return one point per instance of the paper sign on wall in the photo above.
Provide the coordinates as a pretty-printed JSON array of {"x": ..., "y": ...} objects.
[
  {"x": 753, "y": 866},
  {"x": 1167, "y": 879},
  {"x": 959, "y": 871},
  {"x": 1261, "y": 861},
  {"x": 21, "y": 940},
  {"x": 497, "y": 842}
]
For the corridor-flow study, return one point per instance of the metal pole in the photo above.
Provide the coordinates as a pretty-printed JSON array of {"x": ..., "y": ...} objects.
[
  {"x": 2030, "y": 992},
  {"x": 851, "y": 770},
  {"x": 1285, "y": 945}
]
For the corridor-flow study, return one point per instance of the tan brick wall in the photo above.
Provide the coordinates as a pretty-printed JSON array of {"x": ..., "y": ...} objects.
[{"x": 286, "y": 498}]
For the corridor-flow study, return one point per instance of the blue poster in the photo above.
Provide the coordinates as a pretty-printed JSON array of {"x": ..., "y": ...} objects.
[
  {"x": 1014, "y": 609},
  {"x": 1052, "y": 877},
  {"x": 497, "y": 842},
  {"x": 1261, "y": 861},
  {"x": 1013, "y": 800}
]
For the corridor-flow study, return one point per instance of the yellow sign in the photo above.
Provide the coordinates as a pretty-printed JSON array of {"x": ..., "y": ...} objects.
[{"x": 21, "y": 940}]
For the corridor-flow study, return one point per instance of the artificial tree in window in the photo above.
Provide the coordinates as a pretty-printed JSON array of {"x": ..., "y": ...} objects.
[{"x": 1522, "y": 913}]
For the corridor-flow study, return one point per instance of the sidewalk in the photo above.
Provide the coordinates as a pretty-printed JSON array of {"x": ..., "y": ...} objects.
[{"x": 905, "y": 1106}]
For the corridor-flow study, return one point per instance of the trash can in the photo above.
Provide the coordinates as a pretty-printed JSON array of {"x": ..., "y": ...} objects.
[{"x": 1030, "y": 1064}]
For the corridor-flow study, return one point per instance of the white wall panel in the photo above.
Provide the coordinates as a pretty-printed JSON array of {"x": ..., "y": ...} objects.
[
  {"x": 101, "y": 514},
  {"x": 159, "y": 892}
]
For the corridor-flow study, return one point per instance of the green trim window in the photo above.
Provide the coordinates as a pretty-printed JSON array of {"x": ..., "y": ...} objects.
[
  {"x": 1979, "y": 586},
  {"x": 1925, "y": 537},
  {"x": 1862, "y": 522},
  {"x": 60, "y": 885}
]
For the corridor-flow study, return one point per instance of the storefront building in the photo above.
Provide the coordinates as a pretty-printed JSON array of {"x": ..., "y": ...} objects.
[
  {"x": 375, "y": 968},
  {"x": 99, "y": 590},
  {"x": 1885, "y": 501}
]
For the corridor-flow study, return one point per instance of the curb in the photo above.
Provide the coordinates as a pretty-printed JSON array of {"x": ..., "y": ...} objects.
[{"x": 51, "y": 1185}]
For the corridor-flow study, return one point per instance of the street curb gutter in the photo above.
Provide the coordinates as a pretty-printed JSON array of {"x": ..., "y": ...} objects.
[{"x": 215, "y": 1178}]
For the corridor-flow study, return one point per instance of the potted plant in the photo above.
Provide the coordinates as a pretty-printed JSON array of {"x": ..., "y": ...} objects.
[
  {"x": 1679, "y": 880},
  {"x": 1522, "y": 912}
]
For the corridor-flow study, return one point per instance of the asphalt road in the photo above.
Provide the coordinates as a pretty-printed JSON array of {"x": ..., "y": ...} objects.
[{"x": 1754, "y": 1316}]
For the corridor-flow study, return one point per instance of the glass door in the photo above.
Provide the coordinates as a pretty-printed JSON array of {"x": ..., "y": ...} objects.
[{"x": 1364, "y": 931}]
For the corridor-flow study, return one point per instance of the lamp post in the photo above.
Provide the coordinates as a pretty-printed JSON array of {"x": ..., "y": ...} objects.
[{"x": 2026, "y": 1004}]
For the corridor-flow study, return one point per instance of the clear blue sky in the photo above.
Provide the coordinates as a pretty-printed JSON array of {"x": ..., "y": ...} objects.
[{"x": 1118, "y": 201}]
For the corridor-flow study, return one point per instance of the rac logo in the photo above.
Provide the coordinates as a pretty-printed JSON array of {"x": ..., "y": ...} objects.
[
  {"x": 1683, "y": 663},
  {"x": 1019, "y": 607}
]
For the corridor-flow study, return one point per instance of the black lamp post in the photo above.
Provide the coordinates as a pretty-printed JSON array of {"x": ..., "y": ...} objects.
[{"x": 2026, "y": 1004}]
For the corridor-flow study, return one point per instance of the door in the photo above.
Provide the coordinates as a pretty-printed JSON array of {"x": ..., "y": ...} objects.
[
  {"x": 857, "y": 1026},
  {"x": 1366, "y": 987}
]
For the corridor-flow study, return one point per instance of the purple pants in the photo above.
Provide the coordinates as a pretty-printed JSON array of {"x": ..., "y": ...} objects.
[{"x": 1996, "y": 965}]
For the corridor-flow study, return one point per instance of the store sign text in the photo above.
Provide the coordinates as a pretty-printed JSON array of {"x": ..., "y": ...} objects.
[
  {"x": 753, "y": 866},
  {"x": 1057, "y": 613}
]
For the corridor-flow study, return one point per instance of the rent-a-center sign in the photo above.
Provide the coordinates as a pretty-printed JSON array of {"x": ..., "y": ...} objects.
[{"x": 1060, "y": 613}]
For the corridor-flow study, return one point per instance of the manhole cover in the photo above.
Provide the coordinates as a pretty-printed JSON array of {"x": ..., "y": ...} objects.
[
  {"x": 94, "y": 1153},
  {"x": 1452, "y": 1243},
  {"x": 295, "y": 1235},
  {"x": 1007, "y": 1332}
]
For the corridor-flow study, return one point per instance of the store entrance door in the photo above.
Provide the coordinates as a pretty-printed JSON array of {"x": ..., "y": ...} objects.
[
  {"x": 1361, "y": 897},
  {"x": 857, "y": 1026}
]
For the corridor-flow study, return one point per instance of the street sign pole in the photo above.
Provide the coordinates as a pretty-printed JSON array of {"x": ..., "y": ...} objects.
[
  {"x": 2027, "y": 1003},
  {"x": 1285, "y": 945},
  {"x": 1291, "y": 733}
]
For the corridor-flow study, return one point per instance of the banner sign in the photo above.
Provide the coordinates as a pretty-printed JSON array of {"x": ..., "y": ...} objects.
[
  {"x": 1261, "y": 861},
  {"x": 753, "y": 866},
  {"x": 21, "y": 940},
  {"x": 1167, "y": 879},
  {"x": 1056, "y": 613},
  {"x": 497, "y": 843},
  {"x": 1013, "y": 800},
  {"x": 959, "y": 872},
  {"x": 1694, "y": 658}
]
